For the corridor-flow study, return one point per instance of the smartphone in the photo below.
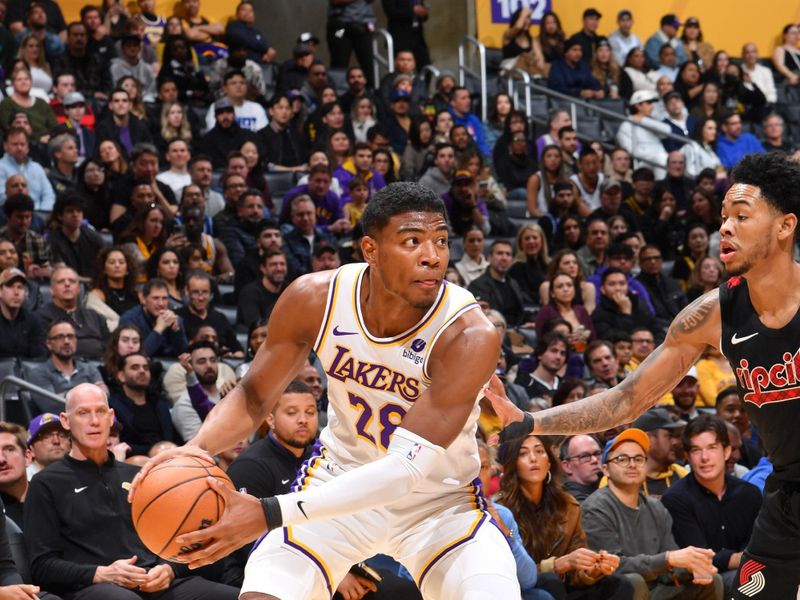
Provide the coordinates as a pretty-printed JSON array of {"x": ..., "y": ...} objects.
[{"x": 362, "y": 569}]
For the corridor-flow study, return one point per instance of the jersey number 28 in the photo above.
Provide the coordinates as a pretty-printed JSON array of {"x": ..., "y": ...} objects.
[{"x": 389, "y": 417}]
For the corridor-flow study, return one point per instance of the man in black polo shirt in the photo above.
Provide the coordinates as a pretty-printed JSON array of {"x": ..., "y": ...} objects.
[
  {"x": 198, "y": 313},
  {"x": 81, "y": 541},
  {"x": 258, "y": 297},
  {"x": 501, "y": 292},
  {"x": 270, "y": 466},
  {"x": 709, "y": 508}
]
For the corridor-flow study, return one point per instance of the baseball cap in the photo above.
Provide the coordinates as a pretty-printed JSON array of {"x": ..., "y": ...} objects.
[
  {"x": 306, "y": 37},
  {"x": 462, "y": 175},
  {"x": 222, "y": 104},
  {"x": 640, "y": 96},
  {"x": 592, "y": 12},
  {"x": 302, "y": 50},
  {"x": 400, "y": 96},
  {"x": 609, "y": 183},
  {"x": 631, "y": 434},
  {"x": 670, "y": 19},
  {"x": 10, "y": 274},
  {"x": 74, "y": 98},
  {"x": 670, "y": 95},
  {"x": 41, "y": 423},
  {"x": 131, "y": 37},
  {"x": 657, "y": 418},
  {"x": 323, "y": 248}
]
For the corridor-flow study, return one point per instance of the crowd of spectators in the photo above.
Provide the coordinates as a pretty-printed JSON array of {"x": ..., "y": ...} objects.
[{"x": 144, "y": 243}]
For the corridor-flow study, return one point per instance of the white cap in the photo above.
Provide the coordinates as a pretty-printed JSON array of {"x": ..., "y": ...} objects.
[{"x": 643, "y": 96}]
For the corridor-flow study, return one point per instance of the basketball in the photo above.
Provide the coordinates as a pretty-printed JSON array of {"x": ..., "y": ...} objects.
[{"x": 174, "y": 498}]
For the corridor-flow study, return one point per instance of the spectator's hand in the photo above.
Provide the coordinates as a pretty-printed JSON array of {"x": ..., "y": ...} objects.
[
  {"x": 164, "y": 321},
  {"x": 422, "y": 11},
  {"x": 121, "y": 572},
  {"x": 185, "y": 359},
  {"x": 101, "y": 96},
  {"x": 237, "y": 354},
  {"x": 226, "y": 387},
  {"x": 340, "y": 226},
  {"x": 623, "y": 302},
  {"x": 177, "y": 239},
  {"x": 120, "y": 451},
  {"x": 666, "y": 213},
  {"x": 696, "y": 560},
  {"x": 505, "y": 409},
  {"x": 581, "y": 559},
  {"x": 793, "y": 79},
  {"x": 242, "y": 522},
  {"x": 587, "y": 93},
  {"x": 607, "y": 562},
  {"x": 159, "y": 578},
  {"x": 19, "y": 592},
  {"x": 354, "y": 587}
]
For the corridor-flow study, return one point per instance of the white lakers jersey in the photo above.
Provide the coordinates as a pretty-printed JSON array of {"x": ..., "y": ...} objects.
[{"x": 373, "y": 382}]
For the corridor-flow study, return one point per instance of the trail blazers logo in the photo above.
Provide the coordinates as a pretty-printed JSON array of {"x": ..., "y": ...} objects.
[{"x": 751, "y": 579}]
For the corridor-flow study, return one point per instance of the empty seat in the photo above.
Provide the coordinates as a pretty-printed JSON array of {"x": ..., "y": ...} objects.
[
  {"x": 590, "y": 127},
  {"x": 229, "y": 312},
  {"x": 338, "y": 79},
  {"x": 539, "y": 106},
  {"x": 279, "y": 182},
  {"x": 517, "y": 209}
]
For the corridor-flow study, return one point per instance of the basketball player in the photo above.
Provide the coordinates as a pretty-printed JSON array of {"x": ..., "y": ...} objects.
[
  {"x": 395, "y": 473},
  {"x": 754, "y": 320}
]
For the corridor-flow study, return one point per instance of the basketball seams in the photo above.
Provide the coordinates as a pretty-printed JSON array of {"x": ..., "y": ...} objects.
[
  {"x": 165, "y": 491},
  {"x": 186, "y": 516}
]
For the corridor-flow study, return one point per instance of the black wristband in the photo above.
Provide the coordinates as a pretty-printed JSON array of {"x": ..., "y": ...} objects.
[
  {"x": 518, "y": 429},
  {"x": 272, "y": 512}
]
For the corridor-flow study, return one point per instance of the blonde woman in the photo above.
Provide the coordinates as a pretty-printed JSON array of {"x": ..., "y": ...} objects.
[
  {"x": 530, "y": 263},
  {"x": 31, "y": 50}
]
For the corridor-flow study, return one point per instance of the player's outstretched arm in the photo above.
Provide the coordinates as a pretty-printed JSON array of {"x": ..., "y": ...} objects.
[{"x": 695, "y": 327}]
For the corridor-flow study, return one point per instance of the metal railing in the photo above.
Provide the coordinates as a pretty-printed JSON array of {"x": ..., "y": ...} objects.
[
  {"x": 430, "y": 75},
  {"x": 464, "y": 69},
  {"x": 379, "y": 60},
  {"x": 25, "y": 385},
  {"x": 513, "y": 83}
]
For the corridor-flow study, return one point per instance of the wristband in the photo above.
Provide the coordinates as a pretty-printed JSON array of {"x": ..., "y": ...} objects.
[
  {"x": 518, "y": 430},
  {"x": 272, "y": 512}
]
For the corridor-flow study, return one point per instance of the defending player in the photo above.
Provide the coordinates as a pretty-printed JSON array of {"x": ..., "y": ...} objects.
[
  {"x": 406, "y": 356},
  {"x": 754, "y": 317}
]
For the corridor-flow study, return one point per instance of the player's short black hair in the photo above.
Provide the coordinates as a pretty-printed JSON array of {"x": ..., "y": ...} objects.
[
  {"x": 775, "y": 175},
  {"x": 703, "y": 423},
  {"x": 396, "y": 199}
]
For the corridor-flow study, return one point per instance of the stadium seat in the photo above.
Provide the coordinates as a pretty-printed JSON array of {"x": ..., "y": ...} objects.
[
  {"x": 338, "y": 79},
  {"x": 229, "y": 312},
  {"x": 539, "y": 106},
  {"x": 590, "y": 127},
  {"x": 16, "y": 543},
  {"x": 279, "y": 182},
  {"x": 517, "y": 209}
]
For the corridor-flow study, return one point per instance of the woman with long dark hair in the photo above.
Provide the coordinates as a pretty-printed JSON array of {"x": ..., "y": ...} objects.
[
  {"x": 661, "y": 225},
  {"x": 383, "y": 163},
  {"x": 549, "y": 521},
  {"x": 708, "y": 105},
  {"x": 165, "y": 264},
  {"x": 702, "y": 152},
  {"x": 416, "y": 156},
  {"x": 688, "y": 83},
  {"x": 695, "y": 248},
  {"x": 93, "y": 186},
  {"x": 540, "y": 184},
  {"x": 567, "y": 261},
  {"x": 114, "y": 283},
  {"x": 146, "y": 233},
  {"x": 501, "y": 107},
  {"x": 569, "y": 233},
  {"x": 551, "y": 37},
  {"x": 562, "y": 305}
]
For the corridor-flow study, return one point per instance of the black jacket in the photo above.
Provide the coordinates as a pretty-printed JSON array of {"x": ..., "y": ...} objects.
[
  {"x": 92, "y": 72},
  {"x": 108, "y": 130},
  {"x": 77, "y": 517},
  {"x": 219, "y": 142},
  {"x": 124, "y": 411},
  {"x": 265, "y": 469},
  {"x": 514, "y": 171},
  {"x": 665, "y": 293},
  {"x": 489, "y": 289},
  {"x": 608, "y": 319},
  {"x": 22, "y": 337}
]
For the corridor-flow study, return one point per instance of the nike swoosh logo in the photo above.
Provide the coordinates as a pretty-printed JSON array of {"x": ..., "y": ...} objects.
[
  {"x": 79, "y": 490},
  {"x": 300, "y": 507},
  {"x": 735, "y": 340},
  {"x": 336, "y": 331},
  {"x": 284, "y": 481}
]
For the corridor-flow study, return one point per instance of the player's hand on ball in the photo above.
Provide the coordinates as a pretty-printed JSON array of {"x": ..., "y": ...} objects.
[
  {"x": 163, "y": 457},
  {"x": 242, "y": 522},
  {"x": 495, "y": 392}
]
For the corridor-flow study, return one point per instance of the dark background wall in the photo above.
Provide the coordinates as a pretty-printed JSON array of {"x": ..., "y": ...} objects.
[{"x": 283, "y": 20}]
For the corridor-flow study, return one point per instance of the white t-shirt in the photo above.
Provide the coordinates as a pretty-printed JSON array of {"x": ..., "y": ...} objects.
[
  {"x": 176, "y": 181},
  {"x": 248, "y": 116}
]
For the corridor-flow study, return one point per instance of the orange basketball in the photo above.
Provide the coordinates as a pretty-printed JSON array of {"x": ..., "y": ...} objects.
[{"x": 174, "y": 499}]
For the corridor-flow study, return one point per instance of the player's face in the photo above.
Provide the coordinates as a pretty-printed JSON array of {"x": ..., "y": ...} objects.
[
  {"x": 751, "y": 229},
  {"x": 410, "y": 256},
  {"x": 707, "y": 457},
  {"x": 294, "y": 420}
]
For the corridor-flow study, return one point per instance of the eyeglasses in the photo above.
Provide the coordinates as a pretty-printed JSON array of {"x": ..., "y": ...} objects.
[
  {"x": 51, "y": 435},
  {"x": 649, "y": 258},
  {"x": 586, "y": 457},
  {"x": 623, "y": 460},
  {"x": 63, "y": 336}
]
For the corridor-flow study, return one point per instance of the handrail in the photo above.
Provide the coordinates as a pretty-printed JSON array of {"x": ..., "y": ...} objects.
[
  {"x": 546, "y": 91},
  {"x": 432, "y": 73},
  {"x": 464, "y": 70},
  {"x": 378, "y": 59},
  {"x": 512, "y": 88},
  {"x": 13, "y": 380}
]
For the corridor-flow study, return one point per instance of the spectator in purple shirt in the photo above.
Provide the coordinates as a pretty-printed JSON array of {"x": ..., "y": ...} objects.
[{"x": 330, "y": 216}]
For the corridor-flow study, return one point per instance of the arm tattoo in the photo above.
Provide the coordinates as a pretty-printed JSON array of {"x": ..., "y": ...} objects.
[{"x": 642, "y": 388}]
